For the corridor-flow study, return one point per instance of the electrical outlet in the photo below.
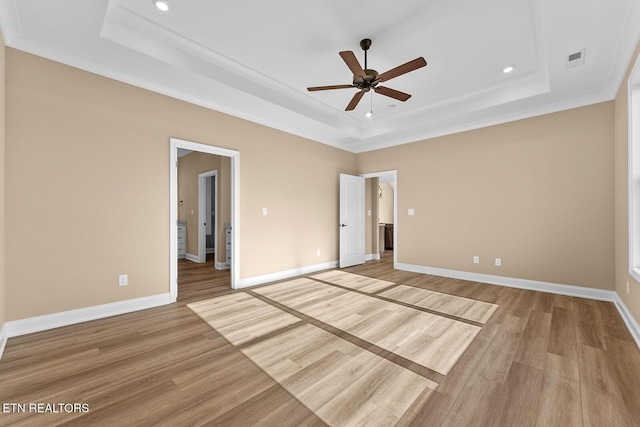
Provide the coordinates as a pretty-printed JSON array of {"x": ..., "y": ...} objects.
[
  {"x": 498, "y": 262},
  {"x": 627, "y": 287},
  {"x": 264, "y": 211},
  {"x": 318, "y": 252},
  {"x": 123, "y": 280},
  {"x": 476, "y": 259}
]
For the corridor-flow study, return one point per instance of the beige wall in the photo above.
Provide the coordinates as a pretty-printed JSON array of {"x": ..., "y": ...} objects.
[
  {"x": 631, "y": 300},
  {"x": 2, "y": 185},
  {"x": 87, "y": 171},
  {"x": 537, "y": 193}
]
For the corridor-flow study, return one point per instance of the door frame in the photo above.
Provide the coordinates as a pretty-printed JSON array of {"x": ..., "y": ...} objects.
[
  {"x": 174, "y": 144},
  {"x": 394, "y": 178},
  {"x": 202, "y": 213}
]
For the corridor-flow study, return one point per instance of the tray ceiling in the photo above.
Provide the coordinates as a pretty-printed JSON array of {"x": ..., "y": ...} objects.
[{"x": 255, "y": 59}]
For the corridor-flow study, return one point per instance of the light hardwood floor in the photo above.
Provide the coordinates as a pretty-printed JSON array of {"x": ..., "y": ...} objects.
[{"x": 538, "y": 359}]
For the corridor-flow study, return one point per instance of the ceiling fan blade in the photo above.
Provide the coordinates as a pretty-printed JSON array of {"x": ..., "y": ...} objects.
[
  {"x": 352, "y": 62},
  {"x": 354, "y": 101},
  {"x": 311, "y": 89},
  {"x": 402, "y": 69},
  {"x": 392, "y": 93}
]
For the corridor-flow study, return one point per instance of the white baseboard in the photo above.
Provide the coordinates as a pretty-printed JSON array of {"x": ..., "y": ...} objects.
[
  {"x": 512, "y": 282},
  {"x": 534, "y": 285},
  {"x": 281, "y": 275},
  {"x": 631, "y": 323},
  {"x": 370, "y": 257},
  {"x": 211, "y": 250},
  {"x": 56, "y": 320},
  {"x": 222, "y": 266},
  {"x": 192, "y": 257},
  {"x": 4, "y": 336}
]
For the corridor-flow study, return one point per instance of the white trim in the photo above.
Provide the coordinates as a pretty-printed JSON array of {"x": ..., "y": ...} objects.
[
  {"x": 513, "y": 282},
  {"x": 287, "y": 274},
  {"x": 371, "y": 257},
  {"x": 50, "y": 321},
  {"x": 192, "y": 257},
  {"x": 222, "y": 265},
  {"x": 9, "y": 21},
  {"x": 628, "y": 319},
  {"x": 633, "y": 164},
  {"x": 174, "y": 144},
  {"x": 4, "y": 336},
  {"x": 625, "y": 48}
]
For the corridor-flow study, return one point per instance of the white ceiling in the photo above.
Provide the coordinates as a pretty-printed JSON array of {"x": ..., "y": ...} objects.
[{"x": 255, "y": 59}]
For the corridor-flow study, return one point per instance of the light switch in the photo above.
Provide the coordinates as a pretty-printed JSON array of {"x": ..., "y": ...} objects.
[
  {"x": 412, "y": 212},
  {"x": 264, "y": 211}
]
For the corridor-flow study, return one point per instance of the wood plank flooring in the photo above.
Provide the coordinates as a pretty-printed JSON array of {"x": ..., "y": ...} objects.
[
  {"x": 539, "y": 359},
  {"x": 433, "y": 341}
]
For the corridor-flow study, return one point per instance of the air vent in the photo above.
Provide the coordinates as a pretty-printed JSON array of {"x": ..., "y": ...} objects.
[{"x": 575, "y": 59}]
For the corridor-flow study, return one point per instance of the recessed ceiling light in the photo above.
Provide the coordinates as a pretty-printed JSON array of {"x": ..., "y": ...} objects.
[
  {"x": 508, "y": 68},
  {"x": 162, "y": 5}
]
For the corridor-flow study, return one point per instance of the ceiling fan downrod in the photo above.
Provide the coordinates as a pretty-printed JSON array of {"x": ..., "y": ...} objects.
[{"x": 365, "y": 44}]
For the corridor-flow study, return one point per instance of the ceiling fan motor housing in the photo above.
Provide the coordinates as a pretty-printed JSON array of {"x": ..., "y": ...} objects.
[{"x": 368, "y": 81}]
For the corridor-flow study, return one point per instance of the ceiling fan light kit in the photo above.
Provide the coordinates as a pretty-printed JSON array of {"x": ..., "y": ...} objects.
[
  {"x": 367, "y": 79},
  {"x": 162, "y": 5}
]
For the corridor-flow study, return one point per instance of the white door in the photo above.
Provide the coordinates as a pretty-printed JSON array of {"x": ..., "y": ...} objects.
[{"x": 352, "y": 220}]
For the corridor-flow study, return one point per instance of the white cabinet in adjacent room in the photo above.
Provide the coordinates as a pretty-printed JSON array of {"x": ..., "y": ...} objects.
[
  {"x": 182, "y": 239},
  {"x": 227, "y": 227}
]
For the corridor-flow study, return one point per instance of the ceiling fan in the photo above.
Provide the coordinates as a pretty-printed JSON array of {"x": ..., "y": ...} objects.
[{"x": 367, "y": 79}]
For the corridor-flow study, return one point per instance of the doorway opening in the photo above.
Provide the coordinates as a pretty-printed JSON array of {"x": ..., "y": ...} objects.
[
  {"x": 382, "y": 232},
  {"x": 207, "y": 210},
  {"x": 233, "y": 234}
]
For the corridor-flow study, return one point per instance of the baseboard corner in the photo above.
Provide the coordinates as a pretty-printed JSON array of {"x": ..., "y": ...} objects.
[
  {"x": 628, "y": 319},
  {"x": 533, "y": 285},
  {"x": 191, "y": 257},
  {"x": 222, "y": 266},
  {"x": 4, "y": 336}
]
